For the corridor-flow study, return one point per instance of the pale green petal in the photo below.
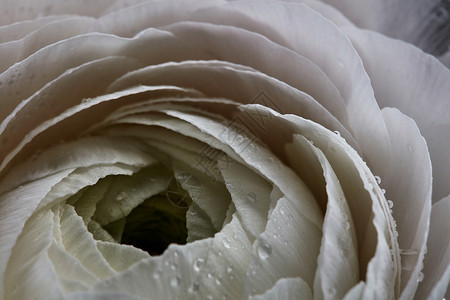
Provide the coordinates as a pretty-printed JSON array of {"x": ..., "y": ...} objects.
[
  {"x": 356, "y": 293},
  {"x": 127, "y": 192},
  {"x": 168, "y": 276},
  {"x": 257, "y": 157},
  {"x": 29, "y": 272},
  {"x": 198, "y": 224},
  {"x": 79, "y": 242},
  {"x": 71, "y": 274},
  {"x": 287, "y": 288},
  {"x": 250, "y": 194},
  {"x": 120, "y": 257},
  {"x": 14, "y": 214},
  {"x": 79, "y": 179}
]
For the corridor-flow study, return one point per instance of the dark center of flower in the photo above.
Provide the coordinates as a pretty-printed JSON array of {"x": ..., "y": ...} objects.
[{"x": 155, "y": 224}]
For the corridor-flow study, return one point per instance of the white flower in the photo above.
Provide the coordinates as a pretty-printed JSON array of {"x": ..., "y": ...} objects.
[{"x": 223, "y": 150}]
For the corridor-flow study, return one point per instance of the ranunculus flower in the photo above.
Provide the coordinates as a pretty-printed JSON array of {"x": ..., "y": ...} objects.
[{"x": 224, "y": 150}]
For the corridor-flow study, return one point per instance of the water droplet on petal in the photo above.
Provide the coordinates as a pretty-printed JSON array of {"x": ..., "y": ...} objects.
[
  {"x": 332, "y": 292},
  {"x": 121, "y": 196},
  {"x": 175, "y": 281},
  {"x": 226, "y": 243},
  {"x": 390, "y": 203},
  {"x": 218, "y": 281},
  {"x": 264, "y": 250},
  {"x": 198, "y": 264},
  {"x": 378, "y": 179},
  {"x": 383, "y": 191},
  {"x": 251, "y": 197},
  {"x": 420, "y": 278},
  {"x": 157, "y": 274},
  {"x": 346, "y": 226},
  {"x": 229, "y": 269}
]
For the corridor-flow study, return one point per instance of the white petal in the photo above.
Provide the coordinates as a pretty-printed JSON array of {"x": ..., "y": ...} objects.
[
  {"x": 50, "y": 33},
  {"x": 338, "y": 269},
  {"x": 287, "y": 288},
  {"x": 129, "y": 21},
  {"x": 405, "y": 78},
  {"x": 80, "y": 153},
  {"x": 213, "y": 78},
  {"x": 225, "y": 263},
  {"x": 370, "y": 211},
  {"x": 408, "y": 185},
  {"x": 437, "y": 260},
  {"x": 16, "y": 31},
  {"x": 299, "y": 28},
  {"x": 244, "y": 47},
  {"x": 423, "y": 23},
  {"x": 288, "y": 247},
  {"x": 76, "y": 51},
  {"x": 13, "y": 11}
]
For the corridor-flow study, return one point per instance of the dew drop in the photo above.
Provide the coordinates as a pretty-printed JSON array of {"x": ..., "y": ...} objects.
[
  {"x": 229, "y": 269},
  {"x": 175, "y": 281},
  {"x": 344, "y": 216},
  {"x": 346, "y": 226},
  {"x": 420, "y": 278},
  {"x": 332, "y": 292},
  {"x": 390, "y": 203},
  {"x": 264, "y": 250},
  {"x": 121, "y": 196},
  {"x": 226, "y": 243},
  {"x": 251, "y": 197},
  {"x": 378, "y": 179},
  {"x": 282, "y": 212},
  {"x": 218, "y": 281},
  {"x": 198, "y": 264},
  {"x": 157, "y": 274},
  {"x": 383, "y": 191}
]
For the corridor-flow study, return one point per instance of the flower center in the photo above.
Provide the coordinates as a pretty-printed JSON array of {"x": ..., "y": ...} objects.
[{"x": 155, "y": 224}]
